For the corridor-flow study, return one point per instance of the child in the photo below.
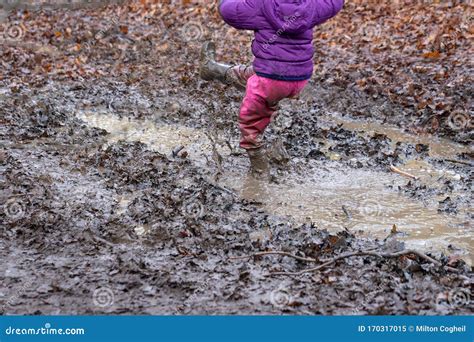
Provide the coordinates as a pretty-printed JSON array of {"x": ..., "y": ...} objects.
[{"x": 282, "y": 66}]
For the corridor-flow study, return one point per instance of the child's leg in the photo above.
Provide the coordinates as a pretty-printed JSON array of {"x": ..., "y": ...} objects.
[
  {"x": 260, "y": 105},
  {"x": 239, "y": 75},
  {"x": 227, "y": 74}
]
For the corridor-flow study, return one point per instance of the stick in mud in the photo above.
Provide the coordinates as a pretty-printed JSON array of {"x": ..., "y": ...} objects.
[
  {"x": 274, "y": 253},
  {"x": 457, "y": 162},
  {"x": 403, "y": 173},
  {"x": 176, "y": 151},
  {"x": 367, "y": 253},
  {"x": 343, "y": 256}
]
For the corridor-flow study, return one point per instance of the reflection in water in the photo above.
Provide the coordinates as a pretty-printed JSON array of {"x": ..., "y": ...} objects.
[
  {"x": 358, "y": 200},
  {"x": 253, "y": 189},
  {"x": 163, "y": 138},
  {"x": 439, "y": 147}
]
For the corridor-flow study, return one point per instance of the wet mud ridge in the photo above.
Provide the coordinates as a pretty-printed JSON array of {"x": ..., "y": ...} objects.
[{"x": 93, "y": 225}]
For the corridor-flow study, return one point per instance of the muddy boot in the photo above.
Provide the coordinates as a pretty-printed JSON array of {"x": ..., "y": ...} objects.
[
  {"x": 209, "y": 68},
  {"x": 231, "y": 75},
  {"x": 278, "y": 153},
  {"x": 259, "y": 166}
]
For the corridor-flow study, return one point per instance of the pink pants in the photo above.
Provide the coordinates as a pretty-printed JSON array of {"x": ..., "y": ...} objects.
[{"x": 260, "y": 105}]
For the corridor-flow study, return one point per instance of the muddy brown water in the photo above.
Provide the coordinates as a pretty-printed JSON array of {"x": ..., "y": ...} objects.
[
  {"x": 439, "y": 147},
  {"x": 331, "y": 197}
]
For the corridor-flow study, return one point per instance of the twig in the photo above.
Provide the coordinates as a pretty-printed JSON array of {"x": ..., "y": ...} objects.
[
  {"x": 403, "y": 173},
  {"x": 221, "y": 188},
  {"x": 274, "y": 253},
  {"x": 176, "y": 151},
  {"x": 458, "y": 162},
  {"x": 362, "y": 253},
  {"x": 346, "y": 212},
  {"x": 99, "y": 239}
]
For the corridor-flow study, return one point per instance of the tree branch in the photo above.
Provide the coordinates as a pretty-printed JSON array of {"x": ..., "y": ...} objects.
[
  {"x": 367, "y": 253},
  {"x": 274, "y": 253}
]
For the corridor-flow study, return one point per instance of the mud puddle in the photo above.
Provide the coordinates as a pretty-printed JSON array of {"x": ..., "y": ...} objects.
[
  {"x": 330, "y": 196},
  {"x": 439, "y": 147},
  {"x": 160, "y": 137},
  {"x": 359, "y": 201}
]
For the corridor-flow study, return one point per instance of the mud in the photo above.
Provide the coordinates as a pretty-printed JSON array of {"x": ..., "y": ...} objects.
[
  {"x": 126, "y": 193},
  {"x": 100, "y": 216}
]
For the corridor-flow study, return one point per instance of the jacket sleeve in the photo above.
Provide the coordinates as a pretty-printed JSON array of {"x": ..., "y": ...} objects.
[
  {"x": 326, "y": 9},
  {"x": 241, "y": 14}
]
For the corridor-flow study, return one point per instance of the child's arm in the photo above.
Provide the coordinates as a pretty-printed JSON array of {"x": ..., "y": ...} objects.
[
  {"x": 326, "y": 9},
  {"x": 241, "y": 14}
]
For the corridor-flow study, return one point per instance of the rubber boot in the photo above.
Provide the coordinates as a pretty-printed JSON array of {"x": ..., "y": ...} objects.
[
  {"x": 278, "y": 153},
  {"x": 209, "y": 68},
  {"x": 231, "y": 75},
  {"x": 259, "y": 164}
]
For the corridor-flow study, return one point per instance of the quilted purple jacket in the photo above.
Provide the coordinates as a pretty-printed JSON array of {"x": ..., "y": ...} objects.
[{"x": 282, "y": 46}]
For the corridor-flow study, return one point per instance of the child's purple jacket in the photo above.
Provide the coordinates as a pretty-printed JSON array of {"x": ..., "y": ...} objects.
[{"x": 283, "y": 46}]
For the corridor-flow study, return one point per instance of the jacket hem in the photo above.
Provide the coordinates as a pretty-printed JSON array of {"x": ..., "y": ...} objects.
[{"x": 284, "y": 78}]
